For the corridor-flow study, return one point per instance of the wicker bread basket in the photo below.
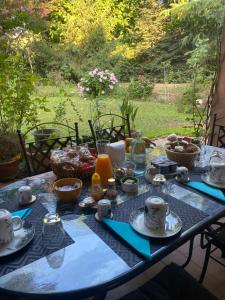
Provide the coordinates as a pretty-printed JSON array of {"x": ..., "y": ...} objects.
[
  {"x": 183, "y": 159},
  {"x": 67, "y": 170}
]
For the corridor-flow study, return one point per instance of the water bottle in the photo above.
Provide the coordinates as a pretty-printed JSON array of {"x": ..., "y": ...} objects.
[{"x": 138, "y": 154}]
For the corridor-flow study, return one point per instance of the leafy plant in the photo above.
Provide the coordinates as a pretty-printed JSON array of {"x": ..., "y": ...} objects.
[
  {"x": 18, "y": 107},
  {"x": 60, "y": 109},
  {"x": 127, "y": 107},
  {"x": 140, "y": 88}
]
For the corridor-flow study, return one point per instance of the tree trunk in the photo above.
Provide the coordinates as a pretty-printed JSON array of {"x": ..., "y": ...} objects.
[{"x": 216, "y": 101}]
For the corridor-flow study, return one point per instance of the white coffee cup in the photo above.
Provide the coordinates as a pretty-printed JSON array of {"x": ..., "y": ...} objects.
[
  {"x": 25, "y": 194},
  {"x": 8, "y": 224},
  {"x": 156, "y": 210},
  {"x": 182, "y": 174}
]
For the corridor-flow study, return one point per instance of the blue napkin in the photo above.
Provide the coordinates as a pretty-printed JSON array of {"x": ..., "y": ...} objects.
[
  {"x": 135, "y": 240},
  {"x": 205, "y": 188},
  {"x": 23, "y": 213}
]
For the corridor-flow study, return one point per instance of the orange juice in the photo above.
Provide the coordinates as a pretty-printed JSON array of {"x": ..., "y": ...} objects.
[{"x": 104, "y": 168}]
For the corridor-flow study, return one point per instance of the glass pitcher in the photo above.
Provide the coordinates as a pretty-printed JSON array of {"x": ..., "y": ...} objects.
[{"x": 217, "y": 168}]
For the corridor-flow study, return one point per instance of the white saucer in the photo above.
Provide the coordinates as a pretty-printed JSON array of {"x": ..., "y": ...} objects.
[
  {"x": 22, "y": 237},
  {"x": 33, "y": 199},
  {"x": 97, "y": 217},
  {"x": 172, "y": 226}
]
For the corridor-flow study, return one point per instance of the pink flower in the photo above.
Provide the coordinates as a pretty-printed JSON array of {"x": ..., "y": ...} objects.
[{"x": 111, "y": 87}]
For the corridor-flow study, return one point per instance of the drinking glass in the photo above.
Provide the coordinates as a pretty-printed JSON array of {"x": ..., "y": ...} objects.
[
  {"x": 102, "y": 146},
  {"x": 53, "y": 234}
]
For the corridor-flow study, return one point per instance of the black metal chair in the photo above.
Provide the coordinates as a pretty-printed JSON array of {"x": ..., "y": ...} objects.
[
  {"x": 37, "y": 152},
  {"x": 172, "y": 283},
  {"x": 107, "y": 127},
  {"x": 212, "y": 239},
  {"x": 217, "y": 134}
]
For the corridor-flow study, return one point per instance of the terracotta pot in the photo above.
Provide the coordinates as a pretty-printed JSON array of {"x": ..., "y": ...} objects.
[{"x": 8, "y": 170}]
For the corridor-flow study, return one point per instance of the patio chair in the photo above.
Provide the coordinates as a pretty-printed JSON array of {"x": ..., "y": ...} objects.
[
  {"x": 37, "y": 152},
  {"x": 172, "y": 283},
  {"x": 110, "y": 127},
  {"x": 212, "y": 239},
  {"x": 217, "y": 134}
]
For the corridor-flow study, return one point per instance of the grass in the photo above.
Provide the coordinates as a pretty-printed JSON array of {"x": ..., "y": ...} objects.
[{"x": 156, "y": 116}]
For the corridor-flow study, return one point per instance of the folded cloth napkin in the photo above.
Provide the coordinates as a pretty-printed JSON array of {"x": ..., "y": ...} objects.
[
  {"x": 205, "y": 188},
  {"x": 23, "y": 213},
  {"x": 135, "y": 240}
]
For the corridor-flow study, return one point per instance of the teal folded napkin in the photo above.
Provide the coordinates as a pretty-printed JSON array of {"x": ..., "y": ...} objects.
[
  {"x": 135, "y": 240},
  {"x": 205, "y": 188},
  {"x": 23, "y": 213}
]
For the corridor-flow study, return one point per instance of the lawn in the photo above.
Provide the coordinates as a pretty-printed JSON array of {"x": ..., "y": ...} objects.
[{"x": 157, "y": 116}]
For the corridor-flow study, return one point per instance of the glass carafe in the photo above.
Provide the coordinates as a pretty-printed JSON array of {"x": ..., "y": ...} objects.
[
  {"x": 138, "y": 154},
  {"x": 217, "y": 168}
]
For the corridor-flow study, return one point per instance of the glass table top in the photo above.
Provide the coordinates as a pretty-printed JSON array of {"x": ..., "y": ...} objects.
[{"x": 89, "y": 261}]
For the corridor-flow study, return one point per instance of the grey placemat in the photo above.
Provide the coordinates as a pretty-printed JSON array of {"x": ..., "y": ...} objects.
[
  {"x": 35, "y": 249},
  {"x": 189, "y": 215}
]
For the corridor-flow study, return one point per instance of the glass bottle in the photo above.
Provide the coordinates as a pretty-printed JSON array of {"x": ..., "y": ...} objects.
[
  {"x": 96, "y": 189},
  {"x": 111, "y": 190},
  {"x": 138, "y": 154}
]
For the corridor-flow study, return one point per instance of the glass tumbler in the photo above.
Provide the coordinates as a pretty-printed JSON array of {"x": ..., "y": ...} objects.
[
  {"x": 102, "y": 146},
  {"x": 53, "y": 234}
]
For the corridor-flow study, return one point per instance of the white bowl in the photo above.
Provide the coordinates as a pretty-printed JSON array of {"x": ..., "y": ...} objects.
[{"x": 129, "y": 188}]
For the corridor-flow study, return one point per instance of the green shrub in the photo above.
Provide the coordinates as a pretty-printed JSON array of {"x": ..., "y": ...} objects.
[
  {"x": 18, "y": 107},
  {"x": 140, "y": 88}
]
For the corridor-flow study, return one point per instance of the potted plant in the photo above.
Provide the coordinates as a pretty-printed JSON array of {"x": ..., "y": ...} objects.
[
  {"x": 128, "y": 108},
  {"x": 18, "y": 107},
  {"x": 9, "y": 157}
]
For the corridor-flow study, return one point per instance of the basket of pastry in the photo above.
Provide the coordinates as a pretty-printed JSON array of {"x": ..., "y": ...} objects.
[
  {"x": 181, "y": 151},
  {"x": 75, "y": 162}
]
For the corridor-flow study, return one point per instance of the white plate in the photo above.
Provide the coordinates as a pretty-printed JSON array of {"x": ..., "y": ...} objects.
[
  {"x": 206, "y": 179},
  {"x": 21, "y": 238},
  {"x": 172, "y": 226}
]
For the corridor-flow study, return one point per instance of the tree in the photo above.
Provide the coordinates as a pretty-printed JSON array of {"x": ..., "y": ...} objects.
[
  {"x": 216, "y": 100},
  {"x": 199, "y": 22}
]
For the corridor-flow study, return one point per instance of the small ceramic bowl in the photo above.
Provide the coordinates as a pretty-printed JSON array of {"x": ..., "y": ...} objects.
[
  {"x": 71, "y": 194},
  {"x": 127, "y": 186}
]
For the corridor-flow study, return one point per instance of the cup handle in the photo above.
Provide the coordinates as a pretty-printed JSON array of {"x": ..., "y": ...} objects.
[
  {"x": 17, "y": 223},
  {"x": 167, "y": 209}
]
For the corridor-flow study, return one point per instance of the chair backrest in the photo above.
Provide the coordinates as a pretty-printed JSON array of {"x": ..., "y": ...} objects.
[
  {"x": 111, "y": 127},
  {"x": 37, "y": 151},
  {"x": 217, "y": 134}
]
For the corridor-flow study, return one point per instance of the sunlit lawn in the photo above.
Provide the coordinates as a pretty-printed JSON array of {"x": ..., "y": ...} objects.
[{"x": 155, "y": 117}]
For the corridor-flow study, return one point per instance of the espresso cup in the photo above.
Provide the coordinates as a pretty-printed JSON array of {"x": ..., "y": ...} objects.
[
  {"x": 156, "y": 210},
  {"x": 25, "y": 194},
  {"x": 104, "y": 208},
  {"x": 8, "y": 224}
]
